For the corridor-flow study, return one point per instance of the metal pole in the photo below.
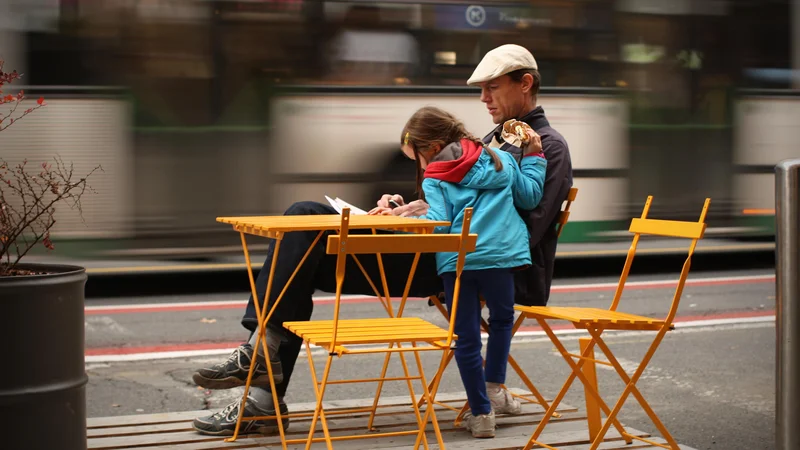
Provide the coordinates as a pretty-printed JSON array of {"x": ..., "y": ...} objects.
[
  {"x": 787, "y": 323},
  {"x": 795, "y": 42}
]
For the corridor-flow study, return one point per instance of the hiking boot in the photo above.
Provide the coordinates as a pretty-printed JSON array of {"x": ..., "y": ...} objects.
[
  {"x": 233, "y": 372},
  {"x": 223, "y": 423},
  {"x": 481, "y": 426},
  {"x": 502, "y": 400}
]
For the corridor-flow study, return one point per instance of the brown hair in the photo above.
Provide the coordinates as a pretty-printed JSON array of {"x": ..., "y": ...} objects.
[
  {"x": 431, "y": 126},
  {"x": 517, "y": 75}
]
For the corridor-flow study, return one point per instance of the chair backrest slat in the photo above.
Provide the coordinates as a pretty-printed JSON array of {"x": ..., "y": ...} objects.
[
  {"x": 563, "y": 216},
  {"x": 408, "y": 243},
  {"x": 572, "y": 195},
  {"x": 668, "y": 228}
]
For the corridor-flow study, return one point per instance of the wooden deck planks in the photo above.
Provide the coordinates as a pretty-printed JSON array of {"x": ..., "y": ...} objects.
[{"x": 174, "y": 430}]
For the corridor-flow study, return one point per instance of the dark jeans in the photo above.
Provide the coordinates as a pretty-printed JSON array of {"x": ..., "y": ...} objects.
[
  {"x": 497, "y": 287},
  {"x": 319, "y": 272}
]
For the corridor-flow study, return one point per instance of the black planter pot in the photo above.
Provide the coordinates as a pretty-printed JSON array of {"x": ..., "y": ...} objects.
[{"x": 43, "y": 387}]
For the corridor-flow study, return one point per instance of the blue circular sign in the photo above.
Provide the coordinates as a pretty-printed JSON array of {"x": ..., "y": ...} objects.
[{"x": 476, "y": 15}]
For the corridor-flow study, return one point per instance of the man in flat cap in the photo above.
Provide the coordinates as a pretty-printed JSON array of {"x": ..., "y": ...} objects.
[
  {"x": 509, "y": 80},
  {"x": 509, "y": 83}
]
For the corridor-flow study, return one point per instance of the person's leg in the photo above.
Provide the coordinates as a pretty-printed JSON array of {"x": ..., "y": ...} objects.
[
  {"x": 468, "y": 352},
  {"x": 497, "y": 288}
]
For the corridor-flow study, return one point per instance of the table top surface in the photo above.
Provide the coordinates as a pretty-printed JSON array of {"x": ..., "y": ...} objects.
[{"x": 328, "y": 222}]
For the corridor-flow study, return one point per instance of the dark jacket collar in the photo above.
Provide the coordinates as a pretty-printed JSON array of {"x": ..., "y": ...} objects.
[{"x": 536, "y": 119}]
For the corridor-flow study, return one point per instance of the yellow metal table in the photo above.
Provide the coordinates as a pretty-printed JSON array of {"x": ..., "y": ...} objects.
[{"x": 275, "y": 227}]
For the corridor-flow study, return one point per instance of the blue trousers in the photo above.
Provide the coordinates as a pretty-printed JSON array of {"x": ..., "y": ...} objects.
[{"x": 497, "y": 288}]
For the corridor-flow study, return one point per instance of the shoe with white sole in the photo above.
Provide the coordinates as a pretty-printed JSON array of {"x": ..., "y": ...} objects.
[
  {"x": 481, "y": 426},
  {"x": 502, "y": 400}
]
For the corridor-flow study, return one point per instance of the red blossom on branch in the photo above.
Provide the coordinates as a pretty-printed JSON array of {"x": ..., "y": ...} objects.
[
  {"x": 6, "y": 120},
  {"x": 28, "y": 199}
]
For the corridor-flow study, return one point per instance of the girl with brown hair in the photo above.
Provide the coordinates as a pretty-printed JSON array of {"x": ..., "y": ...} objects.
[{"x": 456, "y": 171}]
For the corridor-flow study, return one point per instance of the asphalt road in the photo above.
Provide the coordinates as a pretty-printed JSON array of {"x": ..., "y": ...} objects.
[{"x": 711, "y": 382}]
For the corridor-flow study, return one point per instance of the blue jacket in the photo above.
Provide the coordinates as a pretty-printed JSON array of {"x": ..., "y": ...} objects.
[{"x": 463, "y": 175}]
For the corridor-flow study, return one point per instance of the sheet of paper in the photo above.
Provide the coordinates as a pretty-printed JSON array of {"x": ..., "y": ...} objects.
[
  {"x": 339, "y": 204},
  {"x": 353, "y": 209},
  {"x": 334, "y": 204}
]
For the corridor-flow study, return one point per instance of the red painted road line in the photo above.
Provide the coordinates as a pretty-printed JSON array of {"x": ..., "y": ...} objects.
[
  {"x": 164, "y": 308},
  {"x": 161, "y": 348},
  {"x": 102, "y": 351},
  {"x": 568, "y": 289}
]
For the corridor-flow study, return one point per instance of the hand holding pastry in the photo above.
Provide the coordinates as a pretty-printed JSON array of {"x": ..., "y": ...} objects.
[{"x": 534, "y": 145}]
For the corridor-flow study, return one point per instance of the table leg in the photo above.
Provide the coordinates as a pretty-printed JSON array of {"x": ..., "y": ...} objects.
[
  {"x": 263, "y": 318},
  {"x": 261, "y": 335}
]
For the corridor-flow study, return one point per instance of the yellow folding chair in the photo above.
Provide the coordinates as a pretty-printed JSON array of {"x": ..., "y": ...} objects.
[
  {"x": 563, "y": 218},
  {"x": 595, "y": 321},
  {"x": 342, "y": 337}
]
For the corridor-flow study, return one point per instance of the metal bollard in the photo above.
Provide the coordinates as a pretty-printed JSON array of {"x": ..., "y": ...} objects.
[{"x": 787, "y": 320}]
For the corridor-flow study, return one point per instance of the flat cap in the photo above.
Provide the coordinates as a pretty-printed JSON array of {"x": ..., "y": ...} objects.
[{"x": 500, "y": 61}]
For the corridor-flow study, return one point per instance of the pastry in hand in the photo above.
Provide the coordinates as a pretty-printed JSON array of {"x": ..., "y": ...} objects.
[{"x": 516, "y": 133}]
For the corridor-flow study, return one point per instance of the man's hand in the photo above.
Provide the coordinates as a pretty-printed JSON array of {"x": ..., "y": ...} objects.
[{"x": 534, "y": 145}]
